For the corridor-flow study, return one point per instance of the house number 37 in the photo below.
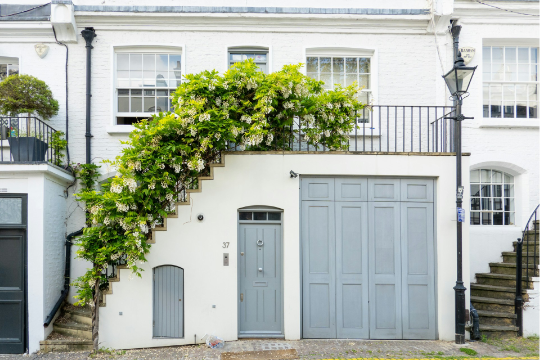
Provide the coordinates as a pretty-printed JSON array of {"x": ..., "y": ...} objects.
[{"x": 225, "y": 244}]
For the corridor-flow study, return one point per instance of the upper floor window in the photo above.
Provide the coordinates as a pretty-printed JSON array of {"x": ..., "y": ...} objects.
[
  {"x": 510, "y": 82},
  {"x": 260, "y": 57},
  {"x": 492, "y": 198},
  {"x": 144, "y": 84},
  {"x": 8, "y": 66}
]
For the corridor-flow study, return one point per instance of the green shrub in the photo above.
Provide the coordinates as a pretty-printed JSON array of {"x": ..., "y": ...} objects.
[{"x": 27, "y": 94}]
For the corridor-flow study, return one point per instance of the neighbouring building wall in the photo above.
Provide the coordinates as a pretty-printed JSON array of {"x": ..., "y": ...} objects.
[
  {"x": 45, "y": 235},
  {"x": 54, "y": 238},
  {"x": 263, "y": 179}
]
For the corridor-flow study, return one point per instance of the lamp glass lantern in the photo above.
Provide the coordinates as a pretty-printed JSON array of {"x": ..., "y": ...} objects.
[{"x": 459, "y": 78}]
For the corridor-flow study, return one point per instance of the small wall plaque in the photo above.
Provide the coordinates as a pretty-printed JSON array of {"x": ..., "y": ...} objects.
[
  {"x": 467, "y": 53},
  {"x": 41, "y": 50}
]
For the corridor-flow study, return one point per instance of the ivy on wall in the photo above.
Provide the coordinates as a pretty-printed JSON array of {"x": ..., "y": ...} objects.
[{"x": 165, "y": 155}]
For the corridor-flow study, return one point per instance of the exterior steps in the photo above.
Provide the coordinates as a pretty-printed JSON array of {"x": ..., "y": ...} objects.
[
  {"x": 493, "y": 294},
  {"x": 72, "y": 331},
  {"x": 152, "y": 235}
]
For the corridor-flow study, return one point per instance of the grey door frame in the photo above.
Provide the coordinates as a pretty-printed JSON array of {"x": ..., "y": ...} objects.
[
  {"x": 23, "y": 226},
  {"x": 435, "y": 247},
  {"x": 261, "y": 208}
]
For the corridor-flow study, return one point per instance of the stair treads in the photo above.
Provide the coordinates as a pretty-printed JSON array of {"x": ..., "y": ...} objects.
[
  {"x": 487, "y": 313},
  {"x": 491, "y": 300}
]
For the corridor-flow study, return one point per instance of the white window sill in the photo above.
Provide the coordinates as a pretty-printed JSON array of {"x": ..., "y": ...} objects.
[
  {"x": 120, "y": 129},
  {"x": 509, "y": 123}
]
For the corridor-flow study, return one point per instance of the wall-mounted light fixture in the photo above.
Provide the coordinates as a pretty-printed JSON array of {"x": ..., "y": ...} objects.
[{"x": 293, "y": 174}]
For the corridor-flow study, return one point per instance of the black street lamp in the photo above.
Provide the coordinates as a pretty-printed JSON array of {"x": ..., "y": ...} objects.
[{"x": 458, "y": 80}]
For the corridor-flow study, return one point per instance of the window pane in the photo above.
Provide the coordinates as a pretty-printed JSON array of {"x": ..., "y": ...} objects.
[
  {"x": 149, "y": 62},
  {"x": 274, "y": 216},
  {"x": 475, "y": 204},
  {"x": 486, "y": 63},
  {"x": 509, "y": 109},
  {"x": 236, "y": 57},
  {"x": 533, "y": 111},
  {"x": 149, "y": 104},
  {"x": 162, "y": 62},
  {"x": 486, "y": 218},
  {"x": 259, "y": 216},
  {"x": 497, "y": 190},
  {"x": 351, "y": 78},
  {"x": 10, "y": 210},
  {"x": 150, "y": 82},
  {"x": 509, "y": 218},
  {"x": 122, "y": 74},
  {"x": 486, "y": 176},
  {"x": 136, "y": 104},
  {"x": 508, "y": 179},
  {"x": 509, "y": 205},
  {"x": 135, "y": 61},
  {"x": 497, "y": 218},
  {"x": 523, "y": 55},
  {"x": 497, "y": 54},
  {"x": 175, "y": 62},
  {"x": 508, "y": 93},
  {"x": 521, "y": 92},
  {"x": 509, "y": 190},
  {"x": 136, "y": 82},
  {"x": 364, "y": 81},
  {"x": 162, "y": 102},
  {"x": 327, "y": 78},
  {"x": 161, "y": 80},
  {"x": 338, "y": 65},
  {"x": 122, "y": 62},
  {"x": 312, "y": 64},
  {"x": 533, "y": 92},
  {"x": 260, "y": 57},
  {"x": 510, "y": 55},
  {"x": 497, "y": 203},
  {"x": 123, "y": 104},
  {"x": 325, "y": 65},
  {"x": 475, "y": 218},
  {"x": 136, "y": 92},
  {"x": 351, "y": 66},
  {"x": 364, "y": 65},
  {"x": 523, "y": 72},
  {"x": 475, "y": 190},
  {"x": 485, "y": 190},
  {"x": 338, "y": 78},
  {"x": 123, "y": 92},
  {"x": 510, "y": 72},
  {"x": 497, "y": 72},
  {"x": 486, "y": 204},
  {"x": 496, "y": 177},
  {"x": 475, "y": 176},
  {"x": 496, "y": 100},
  {"x": 486, "y": 100},
  {"x": 534, "y": 72},
  {"x": 245, "y": 216},
  {"x": 534, "y": 55}
]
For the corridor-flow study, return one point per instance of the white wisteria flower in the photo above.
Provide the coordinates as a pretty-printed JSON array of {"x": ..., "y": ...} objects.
[
  {"x": 131, "y": 184},
  {"x": 122, "y": 207},
  {"x": 204, "y": 117},
  {"x": 116, "y": 188}
]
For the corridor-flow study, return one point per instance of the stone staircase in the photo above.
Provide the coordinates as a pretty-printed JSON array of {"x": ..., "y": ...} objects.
[
  {"x": 72, "y": 331},
  {"x": 494, "y": 293}
]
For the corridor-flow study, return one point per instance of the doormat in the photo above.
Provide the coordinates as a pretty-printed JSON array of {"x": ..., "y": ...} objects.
[{"x": 261, "y": 355}]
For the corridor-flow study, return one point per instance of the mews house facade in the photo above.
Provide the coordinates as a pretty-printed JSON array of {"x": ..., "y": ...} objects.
[{"x": 298, "y": 244}]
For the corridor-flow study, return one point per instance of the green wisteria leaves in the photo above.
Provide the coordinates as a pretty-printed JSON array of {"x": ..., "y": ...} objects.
[{"x": 165, "y": 155}]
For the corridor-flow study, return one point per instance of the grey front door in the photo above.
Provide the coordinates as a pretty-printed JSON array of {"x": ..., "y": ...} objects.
[
  {"x": 260, "y": 280},
  {"x": 368, "y": 258},
  {"x": 13, "y": 274},
  {"x": 168, "y": 302}
]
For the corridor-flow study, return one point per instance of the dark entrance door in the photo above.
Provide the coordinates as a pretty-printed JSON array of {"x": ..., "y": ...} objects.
[{"x": 13, "y": 273}]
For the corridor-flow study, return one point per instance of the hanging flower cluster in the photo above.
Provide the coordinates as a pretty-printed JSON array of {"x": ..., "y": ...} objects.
[{"x": 165, "y": 155}]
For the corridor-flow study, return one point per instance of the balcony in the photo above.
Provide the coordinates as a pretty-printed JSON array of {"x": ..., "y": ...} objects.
[{"x": 26, "y": 140}]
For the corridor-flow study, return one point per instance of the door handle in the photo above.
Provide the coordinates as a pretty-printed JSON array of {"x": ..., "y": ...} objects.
[
  {"x": 260, "y": 269},
  {"x": 241, "y": 297}
]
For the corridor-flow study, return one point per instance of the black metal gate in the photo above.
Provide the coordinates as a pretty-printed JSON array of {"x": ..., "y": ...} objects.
[{"x": 13, "y": 273}]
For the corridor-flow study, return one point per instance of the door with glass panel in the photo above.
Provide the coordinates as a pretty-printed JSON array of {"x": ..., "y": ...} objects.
[{"x": 13, "y": 273}]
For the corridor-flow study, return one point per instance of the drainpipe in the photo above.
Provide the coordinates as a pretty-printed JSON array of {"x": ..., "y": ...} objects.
[
  {"x": 88, "y": 34},
  {"x": 67, "y": 276}
]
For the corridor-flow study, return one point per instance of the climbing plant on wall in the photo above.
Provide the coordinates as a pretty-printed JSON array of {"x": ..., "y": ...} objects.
[{"x": 165, "y": 154}]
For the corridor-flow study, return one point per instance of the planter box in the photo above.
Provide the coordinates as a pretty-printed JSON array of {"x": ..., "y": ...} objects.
[{"x": 27, "y": 148}]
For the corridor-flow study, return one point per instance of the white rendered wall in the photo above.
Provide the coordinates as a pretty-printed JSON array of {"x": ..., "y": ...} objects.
[
  {"x": 531, "y": 311},
  {"x": 248, "y": 180},
  {"x": 45, "y": 238}
]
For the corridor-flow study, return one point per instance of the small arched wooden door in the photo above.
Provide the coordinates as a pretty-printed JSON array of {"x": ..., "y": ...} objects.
[{"x": 168, "y": 302}]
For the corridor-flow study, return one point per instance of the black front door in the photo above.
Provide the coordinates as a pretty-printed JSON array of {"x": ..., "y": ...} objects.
[{"x": 12, "y": 274}]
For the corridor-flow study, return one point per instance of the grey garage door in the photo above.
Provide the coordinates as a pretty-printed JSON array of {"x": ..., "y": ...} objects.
[{"x": 368, "y": 258}]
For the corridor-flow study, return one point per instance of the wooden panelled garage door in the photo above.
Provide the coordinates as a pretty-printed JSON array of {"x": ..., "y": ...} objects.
[{"x": 368, "y": 258}]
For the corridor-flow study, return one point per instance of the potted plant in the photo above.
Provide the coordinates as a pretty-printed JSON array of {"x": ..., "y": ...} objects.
[{"x": 25, "y": 94}]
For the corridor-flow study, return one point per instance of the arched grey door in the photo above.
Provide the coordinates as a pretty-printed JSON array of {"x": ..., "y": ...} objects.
[{"x": 168, "y": 302}]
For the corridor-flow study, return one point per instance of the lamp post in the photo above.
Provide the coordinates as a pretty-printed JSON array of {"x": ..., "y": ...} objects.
[{"x": 458, "y": 80}]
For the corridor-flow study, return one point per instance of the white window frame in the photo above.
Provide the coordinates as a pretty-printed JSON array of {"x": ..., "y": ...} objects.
[
  {"x": 114, "y": 128},
  {"x": 250, "y": 48},
  {"x": 491, "y": 196},
  {"x": 489, "y": 122},
  {"x": 372, "y": 54}
]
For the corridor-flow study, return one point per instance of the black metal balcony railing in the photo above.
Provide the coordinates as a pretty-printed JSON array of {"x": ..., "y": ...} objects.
[
  {"x": 385, "y": 128},
  {"x": 26, "y": 139}
]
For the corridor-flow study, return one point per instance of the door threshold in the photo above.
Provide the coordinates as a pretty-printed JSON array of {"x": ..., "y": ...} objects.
[{"x": 261, "y": 336}]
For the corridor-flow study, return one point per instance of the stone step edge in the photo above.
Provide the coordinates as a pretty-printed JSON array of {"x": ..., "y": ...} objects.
[
  {"x": 74, "y": 326},
  {"x": 513, "y": 265},
  {"x": 81, "y": 312},
  {"x": 152, "y": 239},
  {"x": 496, "y": 288},
  {"x": 502, "y": 276},
  {"x": 498, "y": 328},
  {"x": 487, "y": 313},
  {"x": 66, "y": 342},
  {"x": 481, "y": 299}
]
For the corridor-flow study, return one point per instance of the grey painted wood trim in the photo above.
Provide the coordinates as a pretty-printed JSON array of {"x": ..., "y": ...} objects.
[
  {"x": 384, "y": 189},
  {"x": 417, "y": 190},
  {"x": 317, "y": 189},
  {"x": 351, "y": 189}
]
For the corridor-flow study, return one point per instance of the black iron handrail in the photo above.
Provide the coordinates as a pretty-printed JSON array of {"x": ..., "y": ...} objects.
[
  {"x": 382, "y": 128},
  {"x": 27, "y": 139}
]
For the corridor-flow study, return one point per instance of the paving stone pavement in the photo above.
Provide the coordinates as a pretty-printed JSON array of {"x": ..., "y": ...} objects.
[{"x": 307, "y": 349}]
